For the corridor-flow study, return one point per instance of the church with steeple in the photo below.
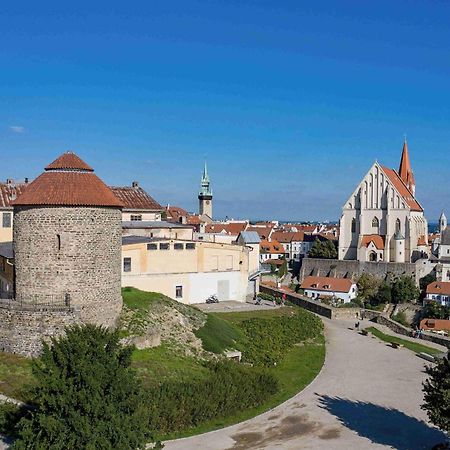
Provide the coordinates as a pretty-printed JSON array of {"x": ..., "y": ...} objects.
[
  {"x": 383, "y": 220},
  {"x": 205, "y": 197}
]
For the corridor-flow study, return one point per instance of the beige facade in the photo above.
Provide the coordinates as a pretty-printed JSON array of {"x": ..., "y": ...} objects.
[
  {"x": 188, "y": 271},
  {"x": 6, "y": 225},
  {"x": 158, "y": 229}
]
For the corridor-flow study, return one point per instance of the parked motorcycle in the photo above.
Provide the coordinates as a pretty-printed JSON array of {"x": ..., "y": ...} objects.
[{"x": 212, "y": 299}]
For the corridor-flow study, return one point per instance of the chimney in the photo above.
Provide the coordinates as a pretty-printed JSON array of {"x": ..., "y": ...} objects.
[
  {"x": 135, "y": 184},
  {"x": 26, "y": 180}
]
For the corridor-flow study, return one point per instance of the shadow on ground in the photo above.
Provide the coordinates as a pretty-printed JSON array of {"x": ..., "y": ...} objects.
[{"x": 383, "y": 425}]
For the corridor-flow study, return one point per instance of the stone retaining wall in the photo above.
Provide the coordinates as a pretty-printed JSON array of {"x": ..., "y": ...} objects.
[{"x": 23, "y": 329}]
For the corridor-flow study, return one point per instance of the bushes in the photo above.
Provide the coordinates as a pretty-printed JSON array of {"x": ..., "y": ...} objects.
[
  {"x": 269, "y": 339},
  {"x": 401, "y": 318},
  {"x": 175, "y": 406},
  {"x": 269, "y": 298}
]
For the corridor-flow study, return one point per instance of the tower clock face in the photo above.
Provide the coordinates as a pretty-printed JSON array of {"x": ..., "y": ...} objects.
[{"x": 207, "y": 202}]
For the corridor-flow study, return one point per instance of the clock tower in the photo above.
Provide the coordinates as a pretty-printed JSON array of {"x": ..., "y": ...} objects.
[{"x": 205, "y": 195}]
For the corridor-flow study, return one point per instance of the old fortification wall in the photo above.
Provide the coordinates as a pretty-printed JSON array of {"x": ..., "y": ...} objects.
[
  {"x": 70, "y": 252},
  {"x": 23, "y": 328},
  {"x": 353, "y": 269}
]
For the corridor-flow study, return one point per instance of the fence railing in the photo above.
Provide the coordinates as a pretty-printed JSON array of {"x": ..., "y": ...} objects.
[{"x": 37, "y": 301}]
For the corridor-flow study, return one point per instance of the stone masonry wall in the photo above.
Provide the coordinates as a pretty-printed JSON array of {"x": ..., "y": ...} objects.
[
  {"x": 70, "y": 250},
  {"x": 22, "y": 330},
  {"x": 353, "y": 269}
]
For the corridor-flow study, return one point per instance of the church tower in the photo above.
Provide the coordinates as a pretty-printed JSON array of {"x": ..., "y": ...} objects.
[
  {"x": 405, "y": 170},
  {"x": 205, "y": 195},
  {"x": 442, "y": 222}
]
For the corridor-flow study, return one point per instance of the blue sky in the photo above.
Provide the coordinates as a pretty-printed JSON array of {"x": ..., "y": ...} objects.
[{"x": 290, "y": 101}]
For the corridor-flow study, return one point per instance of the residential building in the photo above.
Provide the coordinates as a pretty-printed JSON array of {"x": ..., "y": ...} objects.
[
  {"x": 442, "y": 325},
  {"x": 441, "y": 251},
  {"x": 439, "y": 291},
  {"x": 9, "y": 191},
  {"x": 328, "y": 287},
  {"x": 188, "y": 271},
  {"x": 382, "y": 220},
  {"x": 296, "y": 244},
  {"x": 232, "y": 228},
  {"x": 138, "y": 204},
  {"x": 271, "y": 250}
]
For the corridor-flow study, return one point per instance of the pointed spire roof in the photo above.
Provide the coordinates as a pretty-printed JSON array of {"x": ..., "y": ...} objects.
[
  {"x": 405, "y": 171},
  {"x": 68, "y": 181},
  {"x": 205, "y": 173}
]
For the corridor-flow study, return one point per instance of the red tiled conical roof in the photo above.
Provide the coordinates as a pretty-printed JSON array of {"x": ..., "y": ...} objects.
[
  {"x": 69, "y": 161},
  {"x": 68, "y": 181}
]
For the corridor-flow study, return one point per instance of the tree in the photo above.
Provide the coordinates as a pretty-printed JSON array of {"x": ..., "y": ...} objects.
[
  {"x": 323, "y": 249},
  {"x": 283, "y": 270},
  {"x": 426, "y": 280},
  {"x": 404, "y": 290},
  {"x": 384, "y": 294},
  {"x": 433, "y": 310},
  {"x": 437, "y": 398},
  {"x": 86, "y": 397},
  {"x": 368, "y": 287}
]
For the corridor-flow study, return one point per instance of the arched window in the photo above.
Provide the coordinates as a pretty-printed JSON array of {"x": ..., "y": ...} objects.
[
  {"x": 353, "y": 226},
  {"x": 373, "y": 257},
  {"x": 397, "y": 226},
  {"x": 376, "y": 225}
]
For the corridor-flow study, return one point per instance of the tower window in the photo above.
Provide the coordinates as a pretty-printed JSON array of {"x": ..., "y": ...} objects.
[
  {"x": 58, "y": 242},
  {"x": 376, "y": 224},
  {"x": 178, "y": 291}
]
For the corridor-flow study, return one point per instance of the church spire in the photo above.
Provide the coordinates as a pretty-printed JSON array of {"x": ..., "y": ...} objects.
[{"x": 405, "y": 171}]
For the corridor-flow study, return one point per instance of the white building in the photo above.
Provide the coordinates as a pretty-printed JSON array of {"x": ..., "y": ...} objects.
[
  {"x": 382, "y": 220},
  {"x": 330, "y": 288},
  {"x": 439, "y": 291}
]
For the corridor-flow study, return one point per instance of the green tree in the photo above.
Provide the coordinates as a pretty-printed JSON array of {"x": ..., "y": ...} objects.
[
  {"x": 368, "y": 285},
  {"x": 433, "y": 310},
  {"x": 404, "y": 290},
  {"x": 323, "y": 249},
  {"x": 384, "y": 294},
  {"x": 283, "y": 270},
  {"x": 437, "y": 398},
  {"x": 86, "y": 397},
  {"x": 426, "y": 280}
]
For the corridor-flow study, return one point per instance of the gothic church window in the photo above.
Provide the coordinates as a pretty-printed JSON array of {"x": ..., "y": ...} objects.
[
  {"x": 376, "y": 225},
  {"x": 353, "y": 225}
]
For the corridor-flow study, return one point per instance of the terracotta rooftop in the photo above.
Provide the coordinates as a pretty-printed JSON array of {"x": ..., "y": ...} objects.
[
  {"x": 435, "y": 324},
  {"x": 135, "y": 198},
  {"x": 377, "y": 240},
  {"x": 69, "y": 161},
  {"x": 9, "y": 191},
  {"x": 233, "y": 228},
  {"x": 272, "y": 247},
  {"x": 439, "y": 287},
  {"x": 402, "y": 189},
  {"x": 288, "y": 236},
  {"x": 327, "y": 284},
  {"x": 68, "y": 181}
]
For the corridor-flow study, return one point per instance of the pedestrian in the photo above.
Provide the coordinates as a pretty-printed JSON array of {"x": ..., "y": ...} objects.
[
  {"x": 283, "y": 299},
  {"x": 357, "y": 325}
]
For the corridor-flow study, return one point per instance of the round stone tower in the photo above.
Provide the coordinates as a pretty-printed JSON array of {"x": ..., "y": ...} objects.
[
  {"x": 399, "y": 247},
  {"x": 67, "y": 242}
]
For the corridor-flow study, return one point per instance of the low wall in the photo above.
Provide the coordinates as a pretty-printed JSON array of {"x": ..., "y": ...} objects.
[
  {"x": 22, "y": 330},
  {"x": 405, "y": 331}
]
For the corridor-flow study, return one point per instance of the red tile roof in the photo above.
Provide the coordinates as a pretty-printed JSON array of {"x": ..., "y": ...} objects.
[
  {"x": 377, "y": 240},
  {"x": 264, "y": 232},
  {"x": 435, "y": 324},
  {"x": 439, "y": 287},
  {"x": 76, "y": 185},
  {"x": 233, "y": 228},
  {"x": 333, "y": 284},
  {"x": 273, "y": 247},
  {"x": 421, "y": 241},
  {"x": 69, "y": 161},
  {"x": 9, "y": 191},
  {"x": 135, "y": 198},
  {"x": 288, "y": 236},
  {"x": 402, "y": 189}
]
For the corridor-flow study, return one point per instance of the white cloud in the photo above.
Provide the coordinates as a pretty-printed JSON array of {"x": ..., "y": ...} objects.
[{"x": 17, "y": 129}]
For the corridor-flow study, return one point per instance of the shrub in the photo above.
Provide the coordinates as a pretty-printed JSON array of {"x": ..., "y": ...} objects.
[
  {"x": 401, "y": 318},
  {"x": 86, "y": 395},
  {"x": 230, "y": 388}
]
